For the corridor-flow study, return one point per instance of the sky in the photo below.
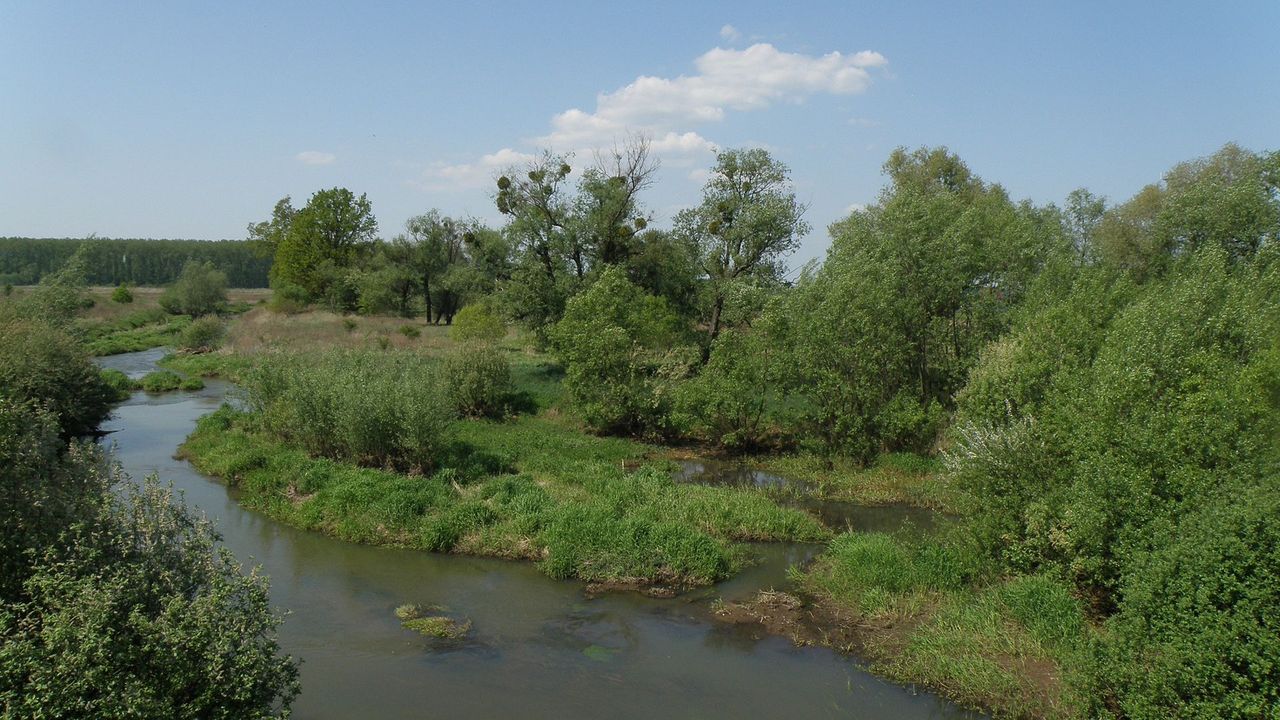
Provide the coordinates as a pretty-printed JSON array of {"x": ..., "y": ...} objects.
[{"x": 190, "y": 120}]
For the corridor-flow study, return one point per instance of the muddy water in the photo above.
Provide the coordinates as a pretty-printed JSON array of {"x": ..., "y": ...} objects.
[{"x": 538, "y": 649}]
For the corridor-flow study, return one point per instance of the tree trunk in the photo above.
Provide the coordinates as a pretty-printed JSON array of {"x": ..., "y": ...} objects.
[{"x": 714, "y": 331}]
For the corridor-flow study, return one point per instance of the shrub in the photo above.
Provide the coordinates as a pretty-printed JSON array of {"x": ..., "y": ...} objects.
[
  {"x": 731, "y": 401},
  {"x": 8, "y": 289},
  {"x": 410, "y": 331},
  {"x": 202, "y": 335},
  {"x": 44, "y": 364},
  {"x": 201, "y": 289},
  {"x": 1198, "y": 628},
  {"x": 119, "y": 383},
  {"x": 621, "y": 352},
  {"x": 287, "y": 298},
  {"x": 375, "y": 409},
  {"x": 477, "y": 322},
  {"x": 348, "y": 324},
  {"x": 122, "y": 294},
  {"x": 478, "y": 380}
]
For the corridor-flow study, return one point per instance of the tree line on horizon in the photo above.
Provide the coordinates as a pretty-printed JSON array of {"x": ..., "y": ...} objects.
[{"x": 117, "y": 261}]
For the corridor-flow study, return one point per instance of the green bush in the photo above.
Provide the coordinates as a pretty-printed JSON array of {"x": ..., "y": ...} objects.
[
  {"x": 118, "y": 382},
  {"x": 201, "y": 289},
  {"x": 43, "y": 364},
  {"x": 411, "y": 331},
  {"x": 202, "y": 335},
  {"x": 376, "y": 409},
  {"x": 477, "y": 378},
  {"x": 287, "y": 298},
  {"x": 477, "y": 322},
  {"x": 122, "y": 294},
  {"x": 1197, "y": 634},
  {"x": 622, "y": 355},
  {"x": 732, "y": 401},
  {"x": 168, "y": 381}
]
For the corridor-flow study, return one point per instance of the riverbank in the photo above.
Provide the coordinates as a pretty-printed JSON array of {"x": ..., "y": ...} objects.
[
  {"x": 538, "y": 647},
  {"x": 583, "y": 506}
]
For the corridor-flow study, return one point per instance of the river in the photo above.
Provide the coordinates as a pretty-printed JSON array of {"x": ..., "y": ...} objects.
[{"x": 539, "y": 648}]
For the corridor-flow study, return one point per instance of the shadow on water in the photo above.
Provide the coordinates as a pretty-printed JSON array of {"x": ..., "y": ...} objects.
[{"x": 538, "y": 649}]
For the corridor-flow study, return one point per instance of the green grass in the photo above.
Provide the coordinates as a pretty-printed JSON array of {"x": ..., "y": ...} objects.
[
  {"x": 929, "y": 612},
  {"x": 138, "y": 331},
  {"x": 224, "y": 365},
  {"x": 527, "y": 489},
  {"x": 893, "y": 478}
]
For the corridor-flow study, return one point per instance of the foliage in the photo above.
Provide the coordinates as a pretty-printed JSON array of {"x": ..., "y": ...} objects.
[
  {"x": 621, "y": 355},
  {"x": 40, "y": 363},
  {"x": 1198, "y": 630},
  {"x": 748, "y": 221},
  {"x": 913, "y": 287},
  {"x": 133, "y": 262},
  {"x": 477, "y": 378},
  {"x": 141, "y": 615},
  {"x": 569, "y": 504},
  {"x": 331, "y": 229},
  {"x": 202, "y": 335},
  {"x": 476, "y": 322},
  {"x": 376, "y": 409},
  {"x": 200, "y": 290},
  {"x": 735, "y": 396},
  {"x": 122, "y": 294}
]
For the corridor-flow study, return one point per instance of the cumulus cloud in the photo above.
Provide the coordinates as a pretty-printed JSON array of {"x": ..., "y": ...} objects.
[
  {"x": 315, "y": 157},
  {"x": 730, "y": 33},
  {"x": 476, "y": 174},
  {"x": 667, "y": 109}
]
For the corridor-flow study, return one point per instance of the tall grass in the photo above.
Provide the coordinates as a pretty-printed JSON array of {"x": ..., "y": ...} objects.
[{"x": 373, "y": 409}]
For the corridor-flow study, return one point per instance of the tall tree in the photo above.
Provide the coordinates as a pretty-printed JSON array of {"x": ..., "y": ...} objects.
[
  {"x": 333, "y": 227},
  {"x": 748, "y": 221}
]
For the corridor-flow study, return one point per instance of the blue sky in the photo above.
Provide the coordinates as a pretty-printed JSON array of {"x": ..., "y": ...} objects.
[{"x": 175, "y": 120}]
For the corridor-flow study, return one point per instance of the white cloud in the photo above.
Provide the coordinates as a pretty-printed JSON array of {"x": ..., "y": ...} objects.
[
  {"x": 473, "y": 175},
  {"x": 730, "y": 33},
  {"x": 668, "y": 109},
  {"x": 315, "y": 157}
]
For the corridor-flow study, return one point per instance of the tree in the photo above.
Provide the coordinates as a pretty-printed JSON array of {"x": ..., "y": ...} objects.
[
  {"x": 748, "y": 221},
  {"x": 200, "y": 290},
  {"x": 334, "y": 227},
  {"x": 265, "y": 237},
  {"x": 621, "y": 349}
]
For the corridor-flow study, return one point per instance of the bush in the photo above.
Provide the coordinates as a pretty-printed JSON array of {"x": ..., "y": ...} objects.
[
  {"x": 44, "y": 364},
  {"x": 121, "y": 294},
  {"x": 202, "y": 335},
  {"x": 168, "y": 381},
  {"x": 478, "y": 380},
  {"x": 287, "y": 298},
  {"x": 119, "y": 383},
  {"x": 732, "y": 401},
  {"x": 375, "y": 409},
  {"x": 201, "y": 289},
  {"x": 1198, "y": 628},
  {"x": 410, "y": 331},
  {"x": 477, "y": 322},
  {"x": 622, "y": 355}
]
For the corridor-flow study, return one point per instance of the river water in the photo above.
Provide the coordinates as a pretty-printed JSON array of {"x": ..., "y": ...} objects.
[{"x": 539, "y": 648}]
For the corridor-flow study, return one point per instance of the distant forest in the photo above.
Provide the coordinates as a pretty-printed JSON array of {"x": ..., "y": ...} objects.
[{"x": 23, "y": 261}]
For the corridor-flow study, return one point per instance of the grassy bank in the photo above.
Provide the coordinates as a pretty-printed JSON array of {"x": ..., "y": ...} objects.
[
  {"x": 926, "y": 611},
  {"x": 525, "y": 489}
]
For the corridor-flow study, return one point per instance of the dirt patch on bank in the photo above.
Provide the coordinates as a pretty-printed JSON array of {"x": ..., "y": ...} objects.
[{"x": 804, "y": 623}]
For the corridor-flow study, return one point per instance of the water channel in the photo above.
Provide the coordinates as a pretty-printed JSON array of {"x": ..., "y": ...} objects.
[{"x": 539, "y": 648}]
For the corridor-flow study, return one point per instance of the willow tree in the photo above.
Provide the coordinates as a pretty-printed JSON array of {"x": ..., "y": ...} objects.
[{"x": 748, "y": 221}]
